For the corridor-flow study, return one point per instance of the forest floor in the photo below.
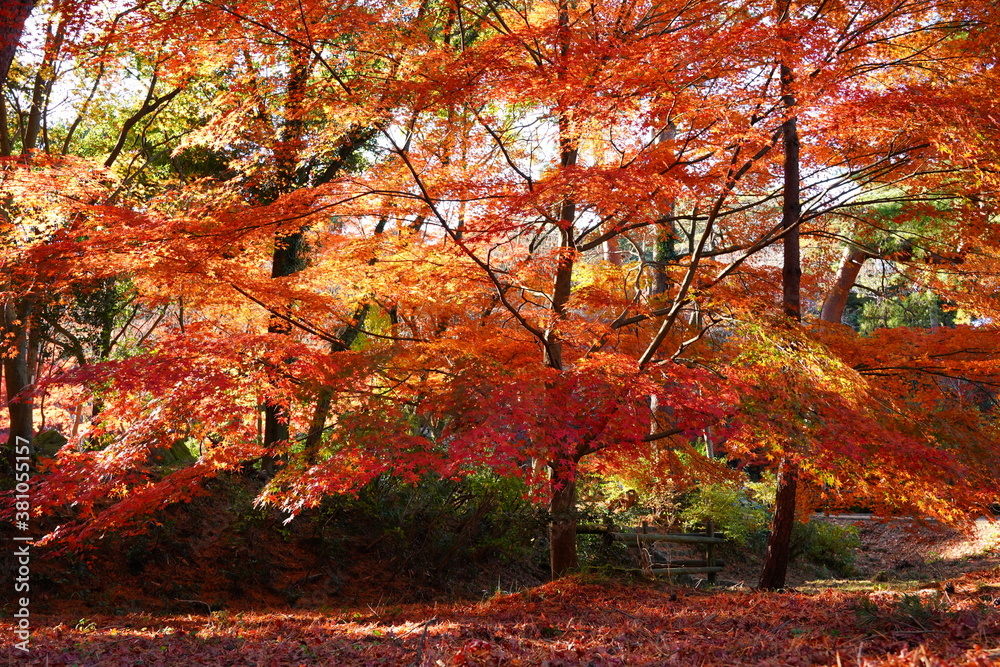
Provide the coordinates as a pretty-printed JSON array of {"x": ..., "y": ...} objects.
[
  {"x": 897, "y": 554},
  {"x": 921, "y": 595}
]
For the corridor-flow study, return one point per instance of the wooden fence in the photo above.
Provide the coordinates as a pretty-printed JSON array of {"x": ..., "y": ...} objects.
[{"x": 640, "y": 536}]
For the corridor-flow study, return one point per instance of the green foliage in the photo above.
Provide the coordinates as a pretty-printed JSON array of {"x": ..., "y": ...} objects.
[
  {"x": 248, "y": 516},
  {"x": 437, "y": 526},
  {"x": 247, "y": 570},
  {"x": 743, "y": 513},
  {"x": 46, "y": 443},
  {"x": 163, "y": 541},
  {"x": 200, "y": 162},
  {"x": 182, "y": 452},
  {"x": 899, "y": 308},
  {"x": 598, "y": 552},
  {"x": 602, "y": 502},
  {"x": 86, "y": 625},
  {"x": 894, "y": 302},
  {"x": 828, "y": 545},
  {"x": 376, "y": 321},
  {"x": 137, "y": 555},
  {"x": 739, "y": 512},
  {"x": 92, "y": 323}
]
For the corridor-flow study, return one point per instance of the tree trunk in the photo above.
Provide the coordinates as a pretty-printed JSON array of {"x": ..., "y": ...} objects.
[
  {"x": 287, "y": 258},
  {"x": 779, "y": 541},
  {"x": 42, "y": 87},
  {"x": 283, "y": 263},
  {"x": 346, "y": 339},
  {"x": 322, "y": 410},
  {"x": 847, "y": 276},
  {"x": 666, "y": 239},
  {"x": 772, "y": 577},
  {"x": 287, "y": 247},
  {"x": 12, "y": 18},
  {"x": 562, "y": 526},
  {"x": 5, "y": 141},
  {"x": 15, "y": 362},
  {"x": 562, "y": 479},
  {"x": 791, "y": 270},
  {"x": 612, "y": 252},
  {"x": 16, "y": 372}
]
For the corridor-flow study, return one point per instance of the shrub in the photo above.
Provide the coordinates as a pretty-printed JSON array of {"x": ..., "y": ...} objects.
[
  {"x": 734, "y": 510},
  {"x": 436, "y": 525},
  {"x": 828, "y": 545}
]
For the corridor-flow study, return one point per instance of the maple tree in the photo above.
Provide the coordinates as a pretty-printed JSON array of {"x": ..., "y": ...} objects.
[
  {"x": 51, "y": 193},
  {"x": 395, "y": 238}
]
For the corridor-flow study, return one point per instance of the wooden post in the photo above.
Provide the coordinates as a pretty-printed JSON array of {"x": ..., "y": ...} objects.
[
  {"x": 647, "y": 562},
  {"x": 710, "y": 550},
  {"x": 709, "y": 565}
]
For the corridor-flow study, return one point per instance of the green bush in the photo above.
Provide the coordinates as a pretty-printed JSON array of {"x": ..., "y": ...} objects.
[
  {"x": 596, "y": 553},
  {"x": 736, "y": 511},
  {"x": 433, "y": 527},
  {"x": 743, "y": 513},
  {"x": 828, "y": 545}
]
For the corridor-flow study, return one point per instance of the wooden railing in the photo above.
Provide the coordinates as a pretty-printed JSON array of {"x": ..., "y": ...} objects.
[{"x": 642, "y": 535}]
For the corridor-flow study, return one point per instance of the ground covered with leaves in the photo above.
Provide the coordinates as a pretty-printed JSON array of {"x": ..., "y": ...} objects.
[
  {"x": 901, "y": 554},
  {"x": 577, "y": 621},
  {"x": 217, "y": 582}
]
